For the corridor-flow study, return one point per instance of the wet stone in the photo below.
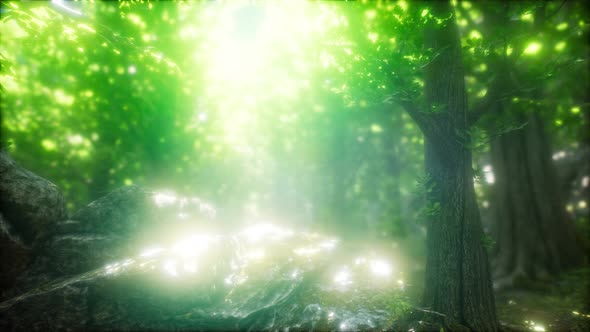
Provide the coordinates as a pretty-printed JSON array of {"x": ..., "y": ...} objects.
[{"x": 93, "y": 271}]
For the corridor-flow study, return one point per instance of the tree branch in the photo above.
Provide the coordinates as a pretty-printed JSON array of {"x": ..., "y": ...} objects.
[
  {"x": 487, "y": 104},
  {"x": 556, "y": 10},
  {"x": 423, "y": 120}
]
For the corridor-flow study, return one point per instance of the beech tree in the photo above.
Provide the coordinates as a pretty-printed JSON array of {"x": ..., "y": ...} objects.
[{"x": 458, "y": 283}]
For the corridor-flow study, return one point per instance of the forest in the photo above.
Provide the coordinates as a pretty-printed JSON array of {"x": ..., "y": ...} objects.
[{"x": 253, "y": 165}]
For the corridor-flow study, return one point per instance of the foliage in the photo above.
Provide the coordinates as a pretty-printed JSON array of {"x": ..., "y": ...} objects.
[
  {"x": 282, "y": 111},
  {"x": 277, "y": 111}
]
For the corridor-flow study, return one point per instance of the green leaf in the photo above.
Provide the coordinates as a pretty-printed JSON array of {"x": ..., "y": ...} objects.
[{"x": 487, "y": 241}]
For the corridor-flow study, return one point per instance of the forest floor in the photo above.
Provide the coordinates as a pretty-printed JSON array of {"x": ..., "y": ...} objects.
[
  {"x": 558, "y": 304},
  {"x": 562, "y": 304}
]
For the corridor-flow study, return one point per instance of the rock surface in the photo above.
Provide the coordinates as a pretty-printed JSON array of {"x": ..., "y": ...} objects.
[
  {"x": 89, "y": 273},
  {"x": 142, "y": 260},
  {"x": 29, "y": 204}
]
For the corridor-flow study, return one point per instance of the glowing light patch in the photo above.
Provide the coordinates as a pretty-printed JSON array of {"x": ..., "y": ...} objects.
[
  {"x": 373, "y": 36},
  {"x": 190, "y": 267},
  {"x": 527, "y": 17},
  {"x": 128, "y": 262},
  {"x": 489, "y": 174},
  {"x": 62, "y": 98},
  {"x": 328, "y": 244},
  {"x": 132, "y": 70},
  {"x": 266, "y": 231},
  {"x": 375, "y": 128},
  {"x": 306, "y": 251},
  {"x": 235, "y": 280},
  {"x": 535, "y": 326},
  {"x": 204, "y": 207},
  {"x": 48, "y": 144},
  {"x": 164, "y": 199},
  {"x": 561, "y": 26},
  {"x": 257, "y": 254},
  {"x": 558, "y": 155},
  {"x": 474, "y": 34},
  {"x": 560, "y": 46},
  {"x": 585, "y": 181},
  {"x": 403, "y": 5},
  {"x": 194, "y": 245},
  {"x": 509, "y": 50},
  {"x": 112, "y": 268},
  {"x": 343, "y": 277},
  {"x": 380, "y": 268},
  {"x": 170, "y": 268},
  {"x": 533, "y": 48},
  {"x": 75, "y": 139},
  {"x": 482, "y": 68},
  {"x": 151, "y": 252},
  {"x": 582, "y": 204},
  {"x": 60, "y": 4}
]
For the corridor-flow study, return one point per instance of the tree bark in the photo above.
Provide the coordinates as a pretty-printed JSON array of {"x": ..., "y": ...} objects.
[
  {"x": 534, "y": 237},
  {"x": 458, "y": 283}
]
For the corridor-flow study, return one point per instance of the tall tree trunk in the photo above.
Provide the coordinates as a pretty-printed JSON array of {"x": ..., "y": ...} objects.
[
  {"x": 458, "y": 283},
  {"x": 534, "y": 236},
  {"x": 341, "y": 170}
]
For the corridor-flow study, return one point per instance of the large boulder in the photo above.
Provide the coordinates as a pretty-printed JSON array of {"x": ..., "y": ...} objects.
[
  {"x": 29, "y": 204},
  {"x": 141, "y": 260}
]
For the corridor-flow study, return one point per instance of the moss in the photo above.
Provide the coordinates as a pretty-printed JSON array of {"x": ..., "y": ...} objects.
[{"x": 552, "y": 305}]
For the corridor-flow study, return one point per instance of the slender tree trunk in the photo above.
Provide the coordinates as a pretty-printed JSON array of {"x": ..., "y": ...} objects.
[
  {"x": 534, "y": 237},
  {"x": 458, "y": 283},
  {"x": 393, "y": 168},
  {"x": 340, "y": 165}
]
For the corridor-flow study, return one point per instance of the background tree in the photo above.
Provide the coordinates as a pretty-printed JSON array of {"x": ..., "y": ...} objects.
[{"x": 535, "y": 237}]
